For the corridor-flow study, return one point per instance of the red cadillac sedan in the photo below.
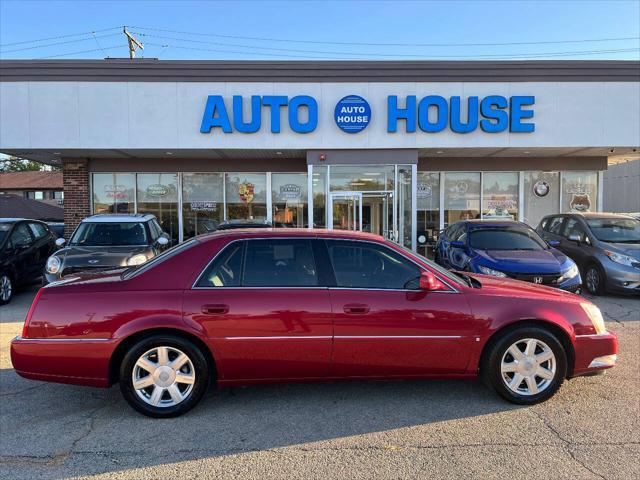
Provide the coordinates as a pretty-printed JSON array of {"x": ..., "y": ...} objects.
[{"x": 250, "y": 306}]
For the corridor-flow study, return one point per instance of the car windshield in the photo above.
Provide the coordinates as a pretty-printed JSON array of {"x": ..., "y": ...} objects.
[
  {"x": 4, "y": 231},
  {"x": 506, "y": 239},
  {"x": 110, "y": 234},
  {"x": 615, "y": 230}
]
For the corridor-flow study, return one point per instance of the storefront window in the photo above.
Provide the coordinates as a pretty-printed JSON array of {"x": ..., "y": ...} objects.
[
  {"x": 500, "y": 195},
  {"x": 246, "y": 195},
  {"x": 202, "y": 202},
  {"x": 114, "y": 192},
  {"x": 362, "y": 178},
  {"x": 541, "y": 195},
  {"x": 428, "y": 212},
  {"x": 461, "y": 196},
  {"x": 319, "y": 188},
  {"x": 579, "y": 192},
  {"x": 289, "y": 200},
  {"x": 158, "y": 195}
]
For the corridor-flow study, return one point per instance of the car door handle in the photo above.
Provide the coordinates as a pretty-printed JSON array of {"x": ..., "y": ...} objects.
[
  {"x": 356, "y": 309},
  {"x": 216, "y": 309}
]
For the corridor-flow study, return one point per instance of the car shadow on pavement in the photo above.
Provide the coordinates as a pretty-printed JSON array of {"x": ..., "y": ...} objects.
[{"x": 56, "y": 429}]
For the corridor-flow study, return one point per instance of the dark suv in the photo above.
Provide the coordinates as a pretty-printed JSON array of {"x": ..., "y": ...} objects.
[
  {"x": 606, "y": 247},
  {"x": 103, "y": 242},
  {"x": 25, "y": 246}
]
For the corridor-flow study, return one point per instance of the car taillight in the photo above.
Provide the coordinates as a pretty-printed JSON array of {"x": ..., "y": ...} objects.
[{"x": 32, "y": 308}]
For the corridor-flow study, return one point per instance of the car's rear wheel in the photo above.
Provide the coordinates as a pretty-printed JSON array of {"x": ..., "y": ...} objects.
[
  {"x": 594, "y": 279},
  {"x": 6, "y": 289},
  {"x": 526, "y": 365},
  {"x": 164, "y": 376}
]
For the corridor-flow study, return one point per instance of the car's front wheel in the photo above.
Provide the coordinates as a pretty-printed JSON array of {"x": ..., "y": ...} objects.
[
  {"x": 6, "y": 289},
  {"x": 594, "y": 280},
  {"x": 164, "y": 376},
  {"x": 526, "y": 365}
]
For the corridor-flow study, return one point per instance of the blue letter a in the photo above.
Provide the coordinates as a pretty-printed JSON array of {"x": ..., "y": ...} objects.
[{"x": 215, "y": 104}]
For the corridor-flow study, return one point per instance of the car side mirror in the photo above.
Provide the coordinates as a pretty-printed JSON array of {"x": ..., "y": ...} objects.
[
  {"x": 553, "y": 243},
  {"x": 458, "y": 244},
  {"x": 162, "y": 241},
  {"x": 60, "y": 242},
  {"x": 430, "y": 283},
  {"x": 574, "y": 237}
]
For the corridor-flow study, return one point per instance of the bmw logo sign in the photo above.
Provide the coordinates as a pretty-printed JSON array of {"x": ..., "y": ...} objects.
[
  {"x": 352, "y": 114},
  {"x": 541, "y": 188}
]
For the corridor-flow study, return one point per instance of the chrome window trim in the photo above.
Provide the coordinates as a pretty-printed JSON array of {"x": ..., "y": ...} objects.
[{"x": 304, "y": 237}]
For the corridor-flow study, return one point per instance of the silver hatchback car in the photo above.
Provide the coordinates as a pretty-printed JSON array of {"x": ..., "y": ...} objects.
[{"x": 605, "y": 246}]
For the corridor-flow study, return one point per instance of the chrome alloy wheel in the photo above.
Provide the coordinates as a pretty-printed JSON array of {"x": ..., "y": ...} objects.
[
  {"x": 528, "y": 366},
  {"x": 163, "y": 376},
  {"x": 6, "y": 289}
]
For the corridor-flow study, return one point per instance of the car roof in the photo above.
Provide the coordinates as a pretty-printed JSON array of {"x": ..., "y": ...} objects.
[
  {"x": 289, "y": 232},
  {"x": 494, "y": 223},
  {"x": 11, "y": 220},
  {"x": 118, "y": 218},
  {"x": 592, "y": 215}
]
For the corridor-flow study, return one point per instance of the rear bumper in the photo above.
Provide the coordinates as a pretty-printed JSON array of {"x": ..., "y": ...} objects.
[
  {"x": 594, "y": 353},
  {"x": 72, "y": 361}
]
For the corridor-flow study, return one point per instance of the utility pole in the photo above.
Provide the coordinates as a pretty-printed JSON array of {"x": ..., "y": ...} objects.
[{"x": 133, "y": 43}]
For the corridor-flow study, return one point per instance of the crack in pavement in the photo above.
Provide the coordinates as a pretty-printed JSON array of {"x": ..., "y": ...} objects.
[{"x": 567, "y": 444}]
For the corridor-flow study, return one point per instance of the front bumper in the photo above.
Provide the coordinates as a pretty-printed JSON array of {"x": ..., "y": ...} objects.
[
  {"x": 77, "y": 361},
  {"x": 594, "y": 353},
  {"x": 622, "y": 278}
]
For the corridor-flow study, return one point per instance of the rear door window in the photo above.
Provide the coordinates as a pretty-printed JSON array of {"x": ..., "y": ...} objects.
[{"x": 279, "y": 263}]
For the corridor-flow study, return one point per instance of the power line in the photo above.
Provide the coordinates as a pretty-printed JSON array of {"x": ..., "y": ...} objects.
[
  {"x": 58, "y": 37},
  {"x": 382, "y": 55},
  {"x": 58, "y": 43},
  {"x": 84, "y": 51},
  {"x": 391, "y": 56},
  {"x": 373, "y": 44}
]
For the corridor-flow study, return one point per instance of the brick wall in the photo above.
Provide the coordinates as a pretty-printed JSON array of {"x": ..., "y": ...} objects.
[{"x": 75, "y": 180}]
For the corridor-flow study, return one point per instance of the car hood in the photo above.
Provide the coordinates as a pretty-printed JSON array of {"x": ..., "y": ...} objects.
[
  {"x": 631, "y": 249},
  {"x": 549, "y": 261},
  {"x": 515, "y": 288},
  {"x": 77, "y": 256}
]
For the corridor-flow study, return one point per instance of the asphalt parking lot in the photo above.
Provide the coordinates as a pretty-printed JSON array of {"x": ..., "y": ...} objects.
[{"x": 431, "y": 429}]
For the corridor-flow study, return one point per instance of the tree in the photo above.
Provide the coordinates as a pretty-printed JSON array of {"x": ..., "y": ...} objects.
[{"x": 15, "y": 164}]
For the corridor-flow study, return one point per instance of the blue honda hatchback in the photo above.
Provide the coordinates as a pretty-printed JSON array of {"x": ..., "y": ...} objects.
[{"x": 505, "y": 249}]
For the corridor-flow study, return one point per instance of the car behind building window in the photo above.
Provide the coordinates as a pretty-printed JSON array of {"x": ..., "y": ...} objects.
[{"x": 367, "y": 265}]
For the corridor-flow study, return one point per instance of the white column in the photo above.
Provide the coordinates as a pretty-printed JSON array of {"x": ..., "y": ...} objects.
[
  {"x": 269, "y": 199},
  {"x": 414, "y": 207},
  {"x": 600, "y": 201},
  {"x": 310, "y": 194},
  {"x": 180, "y": 226},
  {"x": 521, "y": 196}
]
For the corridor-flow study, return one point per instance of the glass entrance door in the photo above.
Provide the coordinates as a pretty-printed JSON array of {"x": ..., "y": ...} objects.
[
  {"x": 377, "y": 213},
  {"x": 346, "y": 211}
]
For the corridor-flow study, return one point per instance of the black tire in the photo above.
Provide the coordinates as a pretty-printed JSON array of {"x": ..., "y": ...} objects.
[
  {"x": 7, "y": 288},
  {"x": 594, "y": 279},
  {"x": 492, "y": 376},
  {"x": 198, "y": 366}
]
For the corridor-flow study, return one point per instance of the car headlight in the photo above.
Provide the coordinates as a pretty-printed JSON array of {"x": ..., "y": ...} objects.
[
  {"x": 572, "y": 272},
  {"x": 53, "y": 265},
  {"x": 619, "y": 258},
  {"x": 595, "y": 315},
  {"x": 491, "y": 271},
  {"x": 138, "y": 259}
]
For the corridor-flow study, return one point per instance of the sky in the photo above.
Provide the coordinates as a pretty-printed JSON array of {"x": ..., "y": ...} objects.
[{"x": 299, "y": 30}]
